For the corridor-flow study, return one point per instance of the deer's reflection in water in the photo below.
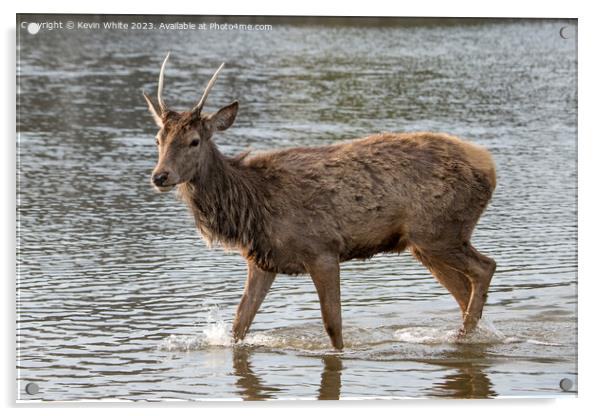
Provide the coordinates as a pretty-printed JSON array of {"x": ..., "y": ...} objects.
[
  {"x": 330, "y": 383},
  {"x": 469, "y": 379},
  {"x": 253, "y": 387},
  {"x": 467, "y": 376}
]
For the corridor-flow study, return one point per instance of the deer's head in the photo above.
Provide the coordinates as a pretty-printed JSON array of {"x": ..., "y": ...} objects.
[{"x": 183, "y": 137}]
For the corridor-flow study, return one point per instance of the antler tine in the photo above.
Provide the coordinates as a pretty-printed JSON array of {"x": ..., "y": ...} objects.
[
  {"x": 199, "y": 106},
  {"x": 160, "y": 88}
]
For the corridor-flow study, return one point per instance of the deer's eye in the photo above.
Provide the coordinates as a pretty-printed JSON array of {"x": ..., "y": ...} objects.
[{"x": 195, "y": 142}]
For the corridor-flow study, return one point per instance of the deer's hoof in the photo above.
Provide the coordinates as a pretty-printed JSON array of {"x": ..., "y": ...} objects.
[{"x": 461, "y": 334}]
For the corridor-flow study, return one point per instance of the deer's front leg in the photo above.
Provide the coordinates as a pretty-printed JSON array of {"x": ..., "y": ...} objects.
[
  {"x": 324, "y": 272},
  {"x": 257, "y": 286}
]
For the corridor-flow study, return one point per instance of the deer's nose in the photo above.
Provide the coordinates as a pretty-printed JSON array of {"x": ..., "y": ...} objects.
[{"x": 160, "y": 178}]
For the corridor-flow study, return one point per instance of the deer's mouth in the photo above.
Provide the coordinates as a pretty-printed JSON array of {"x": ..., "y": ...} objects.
[{"x": 164, "y": 188}]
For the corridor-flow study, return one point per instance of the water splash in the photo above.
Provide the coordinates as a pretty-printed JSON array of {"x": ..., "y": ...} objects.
[
  {"x": 484, "y": 333},
  {"x": 545, "y": 343},
  {"x": 215, "y": 332}
]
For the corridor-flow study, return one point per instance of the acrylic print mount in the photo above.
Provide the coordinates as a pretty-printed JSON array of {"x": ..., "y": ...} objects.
[{"x": 348, "y": 208}]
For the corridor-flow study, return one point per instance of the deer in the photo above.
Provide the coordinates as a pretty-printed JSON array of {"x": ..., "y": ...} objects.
[{"x": 305, "y": 210}]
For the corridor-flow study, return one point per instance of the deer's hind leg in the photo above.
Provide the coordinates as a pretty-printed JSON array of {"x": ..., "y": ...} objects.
[
  {"x": 480, "y": 274},
  {"x": 454, "y": 281},
  {"x": 478, "y": 269}
]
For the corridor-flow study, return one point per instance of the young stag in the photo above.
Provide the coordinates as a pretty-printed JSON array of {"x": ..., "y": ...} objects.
[{"x": 306, "y": 209}]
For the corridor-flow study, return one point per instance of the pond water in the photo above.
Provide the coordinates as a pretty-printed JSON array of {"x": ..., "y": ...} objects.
[{"x": 119, "y": 298}]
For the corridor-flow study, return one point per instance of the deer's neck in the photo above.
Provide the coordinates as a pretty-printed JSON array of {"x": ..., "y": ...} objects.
[{"x": 227, "y": 203}]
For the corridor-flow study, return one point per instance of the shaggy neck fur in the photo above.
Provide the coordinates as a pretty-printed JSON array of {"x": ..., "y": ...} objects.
[{"x": 228, "y": 205}]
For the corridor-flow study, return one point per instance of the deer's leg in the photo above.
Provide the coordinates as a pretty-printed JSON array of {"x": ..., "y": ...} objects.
[
  {"x": 454, "y": 281},
  {"x": 325, "y": 275},
  {"x": 257, "y": 286},
  {"x": 476, "y": 267},
  {"x": 479, "y": 270},
  {"x": 480, "y": 275}
]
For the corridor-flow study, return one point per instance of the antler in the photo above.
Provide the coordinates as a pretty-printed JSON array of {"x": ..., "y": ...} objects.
[
  {"x": 199, "y": 106},
  {"x": 162, "y": 105}
]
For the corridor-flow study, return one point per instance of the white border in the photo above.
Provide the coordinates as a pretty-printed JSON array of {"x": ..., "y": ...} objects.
[{"x": 589, "y": 206}]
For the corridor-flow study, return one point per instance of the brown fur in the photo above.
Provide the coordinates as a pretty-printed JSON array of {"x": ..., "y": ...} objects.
[
  {"x": 355, "y": 199},
  {"x": 306, "y": 209}
]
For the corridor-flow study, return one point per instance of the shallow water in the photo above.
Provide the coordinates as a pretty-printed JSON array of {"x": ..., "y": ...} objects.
[{"x": 118, "y": 297}]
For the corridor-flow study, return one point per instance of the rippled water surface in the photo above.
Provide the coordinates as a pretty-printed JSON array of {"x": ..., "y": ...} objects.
[{"x": 118, "y": 297}]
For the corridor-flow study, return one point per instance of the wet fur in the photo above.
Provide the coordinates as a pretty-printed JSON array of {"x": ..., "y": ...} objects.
[{"x": 352, "y": 200}]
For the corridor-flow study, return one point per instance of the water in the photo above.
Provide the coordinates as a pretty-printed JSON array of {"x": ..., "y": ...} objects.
[{"x": 118, "y": 297}]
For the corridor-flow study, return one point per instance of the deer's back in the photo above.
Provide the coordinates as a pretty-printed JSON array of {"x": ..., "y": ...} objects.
[{"x": 379, "y": 193}]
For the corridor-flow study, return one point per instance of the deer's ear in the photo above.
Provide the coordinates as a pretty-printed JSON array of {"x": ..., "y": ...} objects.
[
  {"x": 153, "y": 110},
  {"x": 224, "y": 117}
]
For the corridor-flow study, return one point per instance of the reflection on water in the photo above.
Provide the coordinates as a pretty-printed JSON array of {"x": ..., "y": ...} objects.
[
  {"x": 251, "y": 386},
  {"x": 469, "y": 379},
  {"x": 330, "y": 383},
  {"x": 118, "y": 298}
]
